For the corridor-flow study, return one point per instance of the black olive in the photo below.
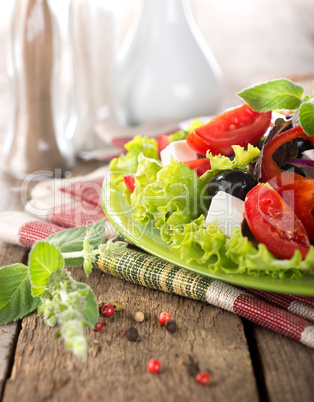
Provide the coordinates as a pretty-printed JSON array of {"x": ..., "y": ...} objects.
[
  {"x": 234, "y": 182},
  {"x": 303, "y": 145},
  {"x": 291, "y": 168}
]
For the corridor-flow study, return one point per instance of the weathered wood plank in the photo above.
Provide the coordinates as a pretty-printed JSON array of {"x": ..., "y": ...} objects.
[
  {"x": 8, "y": 334},
  {"x": 287, "y": 366},
  {"x": 115, "y": 369}
]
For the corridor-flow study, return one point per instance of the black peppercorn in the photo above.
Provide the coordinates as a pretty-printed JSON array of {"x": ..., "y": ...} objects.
[
  {"x": 132, "y": 334},
  {"x": 171, "y": 326}
]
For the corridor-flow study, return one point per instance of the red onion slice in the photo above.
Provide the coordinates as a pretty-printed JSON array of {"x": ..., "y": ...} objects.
[{"x": 301, "y": 162}]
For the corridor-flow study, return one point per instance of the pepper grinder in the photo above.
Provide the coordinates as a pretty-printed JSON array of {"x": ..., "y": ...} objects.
[
  {"x": 165, "y": 69},
  {"x": 36, "y": 142}
]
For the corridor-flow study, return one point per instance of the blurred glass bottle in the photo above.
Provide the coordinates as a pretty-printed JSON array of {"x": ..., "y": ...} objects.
[
  {"x": 37, "y": 140},
  {"x": 165, "y": 70},
  {"x": 93, "y": 38}
]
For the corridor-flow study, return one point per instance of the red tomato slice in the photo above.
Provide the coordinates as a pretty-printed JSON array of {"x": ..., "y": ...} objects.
[
  {"x": 162, "y": 142},
  {"x": 130, "y": 182},
  {"x": 238, "y": 126},
  {"x": 273, "y": 223},
  {"x": 300, "y": 189},
  {"x": 199, "y": 165},
  {"x": 197, "y": 143}
]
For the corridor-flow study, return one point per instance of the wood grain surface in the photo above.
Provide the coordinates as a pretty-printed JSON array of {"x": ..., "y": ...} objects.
[
  {"x": 252, "y": 40},
  {"x": 207, "y": 339}
]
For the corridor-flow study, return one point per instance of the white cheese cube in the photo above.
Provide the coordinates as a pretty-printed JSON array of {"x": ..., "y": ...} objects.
[
  {"x": 308, "y": 155},
  {"x": 179, "y": 150},
  {"x": 227, "y": 210}
]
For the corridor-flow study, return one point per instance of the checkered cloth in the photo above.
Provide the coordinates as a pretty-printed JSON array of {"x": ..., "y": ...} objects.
[{"x": 55, "y": 206}]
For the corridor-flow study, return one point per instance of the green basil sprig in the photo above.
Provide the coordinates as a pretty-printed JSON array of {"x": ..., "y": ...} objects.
[{"x": 282, "y": 94}]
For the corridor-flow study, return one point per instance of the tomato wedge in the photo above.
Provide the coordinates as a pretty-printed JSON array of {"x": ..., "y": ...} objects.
[
  {"x": 239, "y": 126},
  {"x": 274, "y": 224},
  {"x": 199, "y": 165},
  {"x": 297, "y": 190},
  {"x": 130, "y": 182}
]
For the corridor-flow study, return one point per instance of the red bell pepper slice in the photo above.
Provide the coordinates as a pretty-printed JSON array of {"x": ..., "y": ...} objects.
[
  {"x": 297, "y": 191},
  {"x": 199, "y": 165},
  {"x": 162, "y": 142},
  {"x": 130, "y": 182}
]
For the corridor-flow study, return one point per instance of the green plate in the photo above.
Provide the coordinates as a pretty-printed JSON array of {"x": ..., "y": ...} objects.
[{"x": 148, "y": 238}]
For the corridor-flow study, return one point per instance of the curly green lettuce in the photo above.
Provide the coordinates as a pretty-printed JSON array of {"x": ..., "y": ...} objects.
[
  {"x": 178, "y": 136},
  {"x": 201, "y": 243},
  {"x": 235, "y": 255},
  {"x": 242, "y": 158},
  {"x": 169, "y": 195},
  {"x": 127, "y": 164},
  {"x": 256, "y": 260}
]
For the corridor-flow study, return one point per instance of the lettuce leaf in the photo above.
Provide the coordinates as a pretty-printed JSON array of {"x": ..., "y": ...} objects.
[
  {"x": 206, "y": 245},
  {"x": 241, "y": 159},
  {"x": 178, "y": 136},
  {"x": 146, "y": 189},
  {"x": 171, "y": 195},
  {"x": 195, "y": 123},
  {"x": 259, "y": 260},
  {"x": 126, "y": 164},
  {"x": 182, "y": 134},
  {"x": 235, "y": 255}
]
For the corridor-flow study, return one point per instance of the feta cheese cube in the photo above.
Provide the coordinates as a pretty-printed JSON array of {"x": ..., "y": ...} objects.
[
  {"x": 179, "y": 150},
  {"x": 308, "y": 155},
  {"x": 227, "y": 210}
]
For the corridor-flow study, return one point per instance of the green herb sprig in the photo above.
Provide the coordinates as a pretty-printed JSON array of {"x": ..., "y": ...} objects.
[
  {"x": 282, "y": 94},
  {"x": 46, "y": 285}
]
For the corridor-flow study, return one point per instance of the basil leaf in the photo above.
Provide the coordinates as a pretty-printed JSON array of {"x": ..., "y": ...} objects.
[
  {"x": 90, "y": 312},
  {"x": 44, "y": 258},
  {"x": 71, "y": 240},
  {"x": 16, "y": 300},
  {"x": 306, "y": 116},
  {"x": 271, "y": 95}
]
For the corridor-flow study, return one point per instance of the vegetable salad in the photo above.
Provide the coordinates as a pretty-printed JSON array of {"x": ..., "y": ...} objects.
[{"x": 262, "y": 164}]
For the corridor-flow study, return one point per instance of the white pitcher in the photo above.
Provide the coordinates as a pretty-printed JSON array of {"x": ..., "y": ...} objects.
[{"x": 165, "y": 70}]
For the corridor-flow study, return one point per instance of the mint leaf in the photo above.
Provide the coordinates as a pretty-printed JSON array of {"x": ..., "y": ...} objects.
[
  {"x": 91, "y": 311},
  {"x": 87, "y": 267},
  {"x": 88, "y": 253},
  {"x": 306, "y": 116},
  {"x": 72, "y": 240},
  {"x": 271, "y": 95},
  {"x": 72, "y": 306},
  {"x": 16, "y": 300},
  {"x": 44, "y": 258}
]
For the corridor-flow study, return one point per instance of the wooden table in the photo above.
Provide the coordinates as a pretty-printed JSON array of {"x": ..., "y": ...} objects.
[{"x": 252, "y": 41}]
